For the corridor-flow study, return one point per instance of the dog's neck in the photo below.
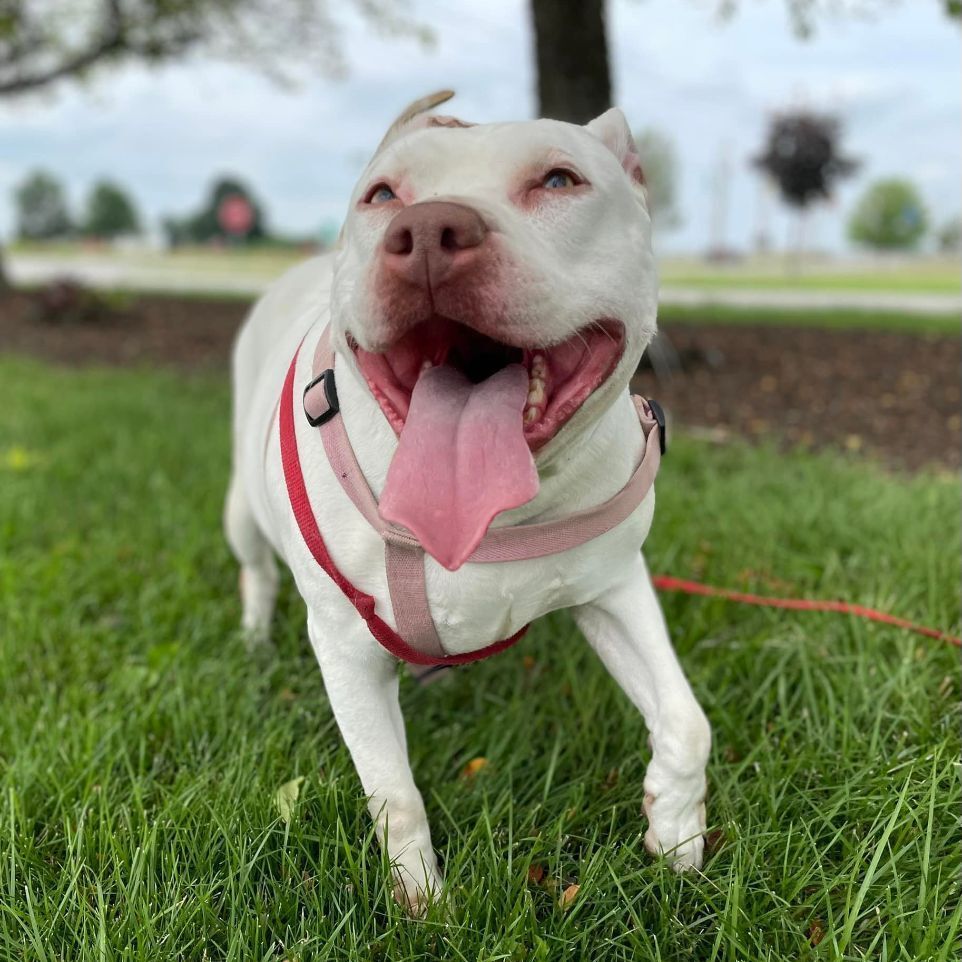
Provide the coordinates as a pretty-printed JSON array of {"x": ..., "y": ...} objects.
[{"x": 580, "y": 470}]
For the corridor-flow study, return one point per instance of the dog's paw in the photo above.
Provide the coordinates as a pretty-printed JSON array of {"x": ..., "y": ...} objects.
[
  {"x": 675, "y": 831},
  {"x": 258, "y": 590},
  {"x": 256, "y": 635},
  {"x": 416, "y": 896}
]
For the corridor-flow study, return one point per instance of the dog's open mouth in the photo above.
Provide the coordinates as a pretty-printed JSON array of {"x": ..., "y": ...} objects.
[
  {"x": 559, "y": 378},
  {"x": 469, "y": 411}
]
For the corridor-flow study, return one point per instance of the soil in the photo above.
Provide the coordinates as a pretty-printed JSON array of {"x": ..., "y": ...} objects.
[{"x": 893, "y": 396}]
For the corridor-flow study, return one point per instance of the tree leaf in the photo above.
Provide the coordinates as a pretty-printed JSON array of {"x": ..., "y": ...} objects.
[
  {"x": 473, "y": 767},
  {"x": 286, "y": 796},
  {"x": 568, "y": 896}
]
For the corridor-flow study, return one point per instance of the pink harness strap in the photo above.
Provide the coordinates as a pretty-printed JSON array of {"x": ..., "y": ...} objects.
[{"x": 403, "y": 555}]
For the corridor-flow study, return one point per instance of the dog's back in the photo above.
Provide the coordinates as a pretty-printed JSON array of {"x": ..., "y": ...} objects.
[{"x": 264, "y": 345}]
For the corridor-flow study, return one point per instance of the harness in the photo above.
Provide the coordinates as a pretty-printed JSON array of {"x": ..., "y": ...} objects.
[{"x": 416, "y": 639}]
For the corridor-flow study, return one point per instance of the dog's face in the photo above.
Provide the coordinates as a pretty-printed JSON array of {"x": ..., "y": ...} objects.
[{"x": 480, "y": 247}]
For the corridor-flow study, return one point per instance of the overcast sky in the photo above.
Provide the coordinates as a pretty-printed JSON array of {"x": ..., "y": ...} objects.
[{"x": 894, "y": 80}]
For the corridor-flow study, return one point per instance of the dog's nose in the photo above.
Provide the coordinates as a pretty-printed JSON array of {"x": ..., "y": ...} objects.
[{"x": 433, "y": 242}]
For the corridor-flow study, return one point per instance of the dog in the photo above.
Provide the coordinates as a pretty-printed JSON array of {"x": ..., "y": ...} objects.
[{"x": 454, "y": 374}]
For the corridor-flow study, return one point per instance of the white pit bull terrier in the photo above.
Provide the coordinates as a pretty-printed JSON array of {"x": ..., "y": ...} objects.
[{"x": 478, "y": 461}]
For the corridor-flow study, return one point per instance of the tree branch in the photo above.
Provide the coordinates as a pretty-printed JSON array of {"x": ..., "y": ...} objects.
[
  {"x": 73, "y": 65},
  {"x": 111, "y": 43}
]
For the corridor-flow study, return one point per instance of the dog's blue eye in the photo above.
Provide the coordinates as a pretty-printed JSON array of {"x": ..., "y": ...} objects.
[
  {"x": 381, "y": 194},
  {"x": 559, "y": 178}
]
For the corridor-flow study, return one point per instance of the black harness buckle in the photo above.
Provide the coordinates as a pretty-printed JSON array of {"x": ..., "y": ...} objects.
[
  {"x": 659, "y": 416},
  {"x": 330, "y": 394}
]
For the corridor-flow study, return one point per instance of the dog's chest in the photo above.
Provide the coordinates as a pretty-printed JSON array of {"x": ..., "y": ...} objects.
[
  {"x": 480, "y": 603},
  {"x": 483, "y": 603}
]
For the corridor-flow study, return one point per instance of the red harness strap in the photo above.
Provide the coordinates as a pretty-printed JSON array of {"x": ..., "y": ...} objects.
[{"x": 307, "y": 523}]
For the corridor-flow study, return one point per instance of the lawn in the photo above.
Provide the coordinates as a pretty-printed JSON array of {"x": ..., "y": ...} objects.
[
  {"x": 905, "y": 275},
  {"x": 839, "y": 318},
  {"x": 141, "y": 749}
]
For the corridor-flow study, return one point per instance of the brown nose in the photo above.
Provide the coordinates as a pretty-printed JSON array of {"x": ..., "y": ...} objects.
[{"x": 433, "y": 242}]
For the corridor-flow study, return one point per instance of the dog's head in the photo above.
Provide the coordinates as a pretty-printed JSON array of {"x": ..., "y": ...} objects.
[
  {"x": 482, "y": 245},
  {"x": 496, "y": 286}
]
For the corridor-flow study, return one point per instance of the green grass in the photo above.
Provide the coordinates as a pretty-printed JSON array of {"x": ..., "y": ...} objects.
[
  {"x": 922, "y": 275},
  {"x": 838, "y": 318},
  {"x": 140, "y": 748}
]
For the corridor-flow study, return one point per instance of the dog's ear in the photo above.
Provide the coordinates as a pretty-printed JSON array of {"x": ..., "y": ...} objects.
[
  {"x": 611, "y": 128},
  {"x": 412, "y": 115}
]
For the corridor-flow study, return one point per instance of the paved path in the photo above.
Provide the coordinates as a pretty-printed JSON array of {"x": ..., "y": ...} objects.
[
  {"x": 898, "y": 301},
  {"x": 115, "y": 273}
]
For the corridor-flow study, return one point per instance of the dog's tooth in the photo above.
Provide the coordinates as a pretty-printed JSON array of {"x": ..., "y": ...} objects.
[
  {"x": 537, "y": 365},
  {"x": 530, "y": 414},
  {"x": 426, "y": 363},
  {"x": 535, "y": 391}
]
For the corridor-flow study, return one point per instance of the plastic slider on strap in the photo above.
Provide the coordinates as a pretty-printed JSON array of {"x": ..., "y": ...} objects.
[
  {"x": 399, "y": 537},
  {"x": 320, "y": 399},
  {"x": 659, "y": 415}
]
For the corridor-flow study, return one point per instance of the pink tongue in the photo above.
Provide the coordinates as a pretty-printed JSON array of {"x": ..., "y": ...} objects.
[{"x": 461, "y": 459}]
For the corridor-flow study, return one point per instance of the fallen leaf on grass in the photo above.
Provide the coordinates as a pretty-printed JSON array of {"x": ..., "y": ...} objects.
[
  {"x": 567, "y": 897},
  {"x": 286, "y": 796},
  {"x": 714, "y": 841},
  {"x": 816, "y": 932},
  {"x": 535, "y": 874},
  {"x": 473, "y": 767}
]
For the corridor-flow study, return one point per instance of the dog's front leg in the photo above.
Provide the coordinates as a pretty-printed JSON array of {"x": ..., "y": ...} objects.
[
  {"x": 362, "y": 686},
  {"x": 626, "y": 628}
]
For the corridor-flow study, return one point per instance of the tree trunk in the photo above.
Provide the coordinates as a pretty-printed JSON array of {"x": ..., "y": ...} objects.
[
  {"x": 4, "y": 280},
  {"x": 571, "y": 52}
]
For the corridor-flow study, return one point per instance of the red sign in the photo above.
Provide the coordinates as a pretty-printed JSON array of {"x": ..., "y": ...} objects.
[{"x": 235, "y": 215}]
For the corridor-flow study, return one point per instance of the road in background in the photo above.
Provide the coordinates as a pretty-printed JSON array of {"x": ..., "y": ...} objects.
[{"x": 905, "y": 286}]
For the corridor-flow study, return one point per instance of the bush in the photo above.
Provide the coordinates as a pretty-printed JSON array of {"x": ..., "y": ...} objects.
[
  {"x": 110, "y": 212},
  {"x": 41, "y": 207},
  {"x": 889, "y": 216},
  {"x": 67, "y": 301}
]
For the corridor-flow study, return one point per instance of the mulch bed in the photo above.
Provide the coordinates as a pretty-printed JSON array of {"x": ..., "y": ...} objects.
[{"x": 893, "y": 396}]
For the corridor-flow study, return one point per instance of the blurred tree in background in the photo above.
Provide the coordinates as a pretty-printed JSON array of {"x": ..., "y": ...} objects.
[
  {"x": 41, "y": 43},
  {"x": 803, "y": 159},
  {"x": 230, "y": 213},
  {"x": 659, "y": 161},
  {"x": 110, "y": 212},
  {"x": 802, "y": 156},
  {"x": 889, "y": 216},
  {"x": 41, "y": 207}
]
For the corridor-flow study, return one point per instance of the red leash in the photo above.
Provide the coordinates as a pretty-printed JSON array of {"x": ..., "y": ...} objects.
[{"x": 668, "y": 583}]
